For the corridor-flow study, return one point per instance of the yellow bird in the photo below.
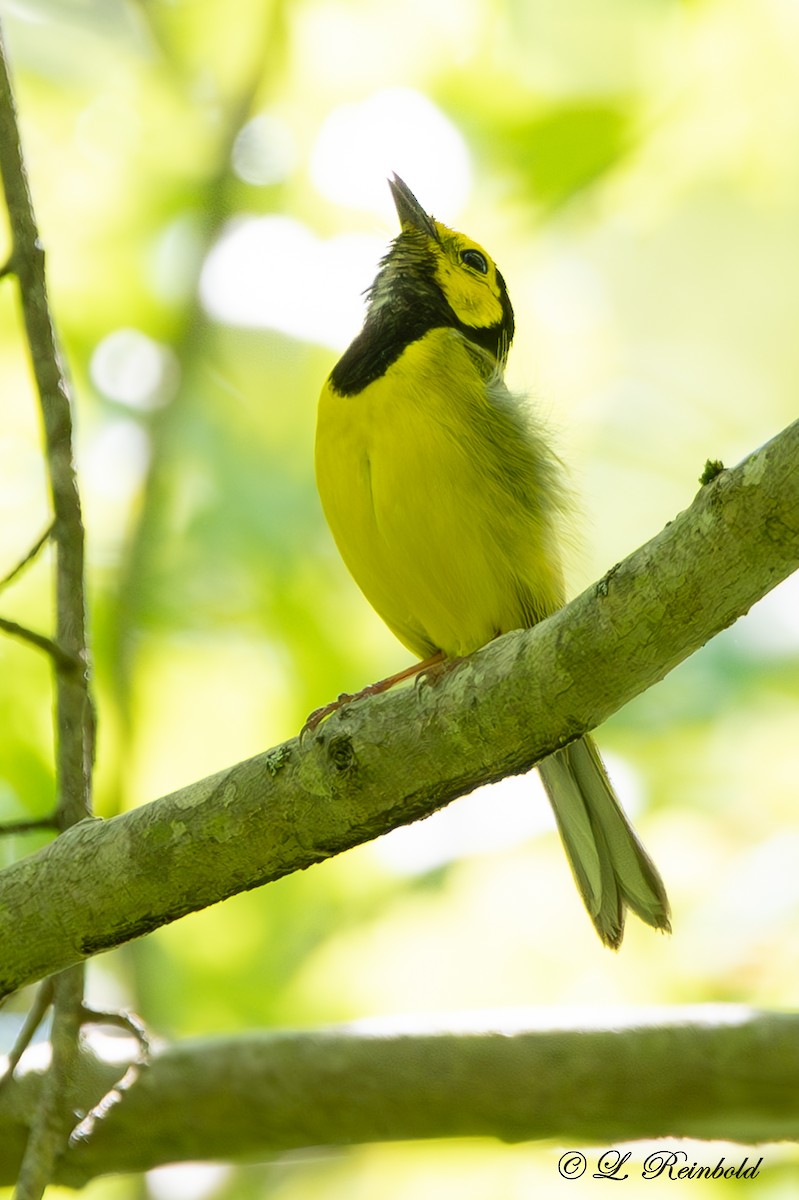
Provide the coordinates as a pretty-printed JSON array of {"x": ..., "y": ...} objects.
[{"x": 445, "y": 498}]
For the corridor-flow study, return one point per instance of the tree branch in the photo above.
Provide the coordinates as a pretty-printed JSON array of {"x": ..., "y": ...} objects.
[
  {"x": 722, "y": 1072},
  {"x": 73, "y": 710},
  {"x": 73, "y": 723},
  {"x": 394, "y": 758}
]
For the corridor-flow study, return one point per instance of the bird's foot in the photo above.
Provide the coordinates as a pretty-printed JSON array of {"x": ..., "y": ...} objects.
[{"x": 430, "y": 667}]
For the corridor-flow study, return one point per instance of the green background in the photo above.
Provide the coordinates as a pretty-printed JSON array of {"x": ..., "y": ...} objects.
[{"x": 209, "y": 180}]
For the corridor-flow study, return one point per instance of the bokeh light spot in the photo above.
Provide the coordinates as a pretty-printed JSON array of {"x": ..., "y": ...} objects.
[
  {"x": 263, "y": 152},
  {"x": 395, "y": 129},
  {"x": 133, "y": 369},
  {"x": 274, "y": 273}
]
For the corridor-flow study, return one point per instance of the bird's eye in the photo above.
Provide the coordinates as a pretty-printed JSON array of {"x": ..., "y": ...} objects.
[{"x": 473, "y": 258}]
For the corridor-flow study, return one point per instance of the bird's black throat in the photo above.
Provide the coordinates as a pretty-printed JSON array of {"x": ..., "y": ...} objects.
[{"x": 405, "y": 303}]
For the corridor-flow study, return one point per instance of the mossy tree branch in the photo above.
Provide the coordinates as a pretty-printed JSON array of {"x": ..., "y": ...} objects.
[
  {"x": 397, "y": 757},
  {"x": 728, "y": 1073}
]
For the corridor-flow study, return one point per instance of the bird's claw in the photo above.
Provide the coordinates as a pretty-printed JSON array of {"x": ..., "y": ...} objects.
[{"x": 320, "y": 714}]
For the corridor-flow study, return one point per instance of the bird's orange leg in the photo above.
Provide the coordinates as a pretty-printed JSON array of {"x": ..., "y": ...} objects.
[{"x": 374, "y": 689}]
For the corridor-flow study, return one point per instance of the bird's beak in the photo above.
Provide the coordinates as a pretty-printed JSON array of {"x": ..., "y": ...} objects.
[{"x": 409, "y": 210}]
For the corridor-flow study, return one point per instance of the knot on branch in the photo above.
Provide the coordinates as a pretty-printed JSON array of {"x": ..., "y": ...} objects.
[{"x": 341, "y": 752}]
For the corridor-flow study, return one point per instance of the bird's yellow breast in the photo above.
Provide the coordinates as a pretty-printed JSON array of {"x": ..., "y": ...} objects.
[{"x": 441, "y": 497}]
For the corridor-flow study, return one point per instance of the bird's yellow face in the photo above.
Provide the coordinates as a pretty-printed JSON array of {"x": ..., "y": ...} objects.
[{"x": 468, "y": 279}]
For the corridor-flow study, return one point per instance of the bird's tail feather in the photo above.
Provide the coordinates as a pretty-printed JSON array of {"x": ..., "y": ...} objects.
[{"x": 611, "y": 867}]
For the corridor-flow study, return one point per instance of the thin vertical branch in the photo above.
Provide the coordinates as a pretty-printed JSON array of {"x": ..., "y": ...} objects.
[
  {"x": 73, "y": 709},
  {"x": 73, "y": 722}
]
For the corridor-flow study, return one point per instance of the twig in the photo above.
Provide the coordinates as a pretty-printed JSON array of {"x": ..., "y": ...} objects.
[
  {"x": 122, "y": 1019},
  {"x": 73, "y": 710},
  {"x": 64, "y": 661},
  {"x": 34, "y": 825},
  {"x": 52, "y": 1125},
  {"x": 35, "y": 1015},
  {"x": 133, "y": 1025},
  {"x": 34, "y": 550}
]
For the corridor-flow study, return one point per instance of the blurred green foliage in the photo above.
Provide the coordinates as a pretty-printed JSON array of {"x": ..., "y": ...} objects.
[{"x": 631, "y": 166}]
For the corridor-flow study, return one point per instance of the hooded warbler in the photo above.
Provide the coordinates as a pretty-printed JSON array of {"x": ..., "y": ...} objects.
[{"x": 444, "y": 498}]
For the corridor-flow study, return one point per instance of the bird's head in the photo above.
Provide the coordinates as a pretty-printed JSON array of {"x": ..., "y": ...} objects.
[
  {"x": 431, "y": 278},
  {"x": 444, "y": 277}
]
